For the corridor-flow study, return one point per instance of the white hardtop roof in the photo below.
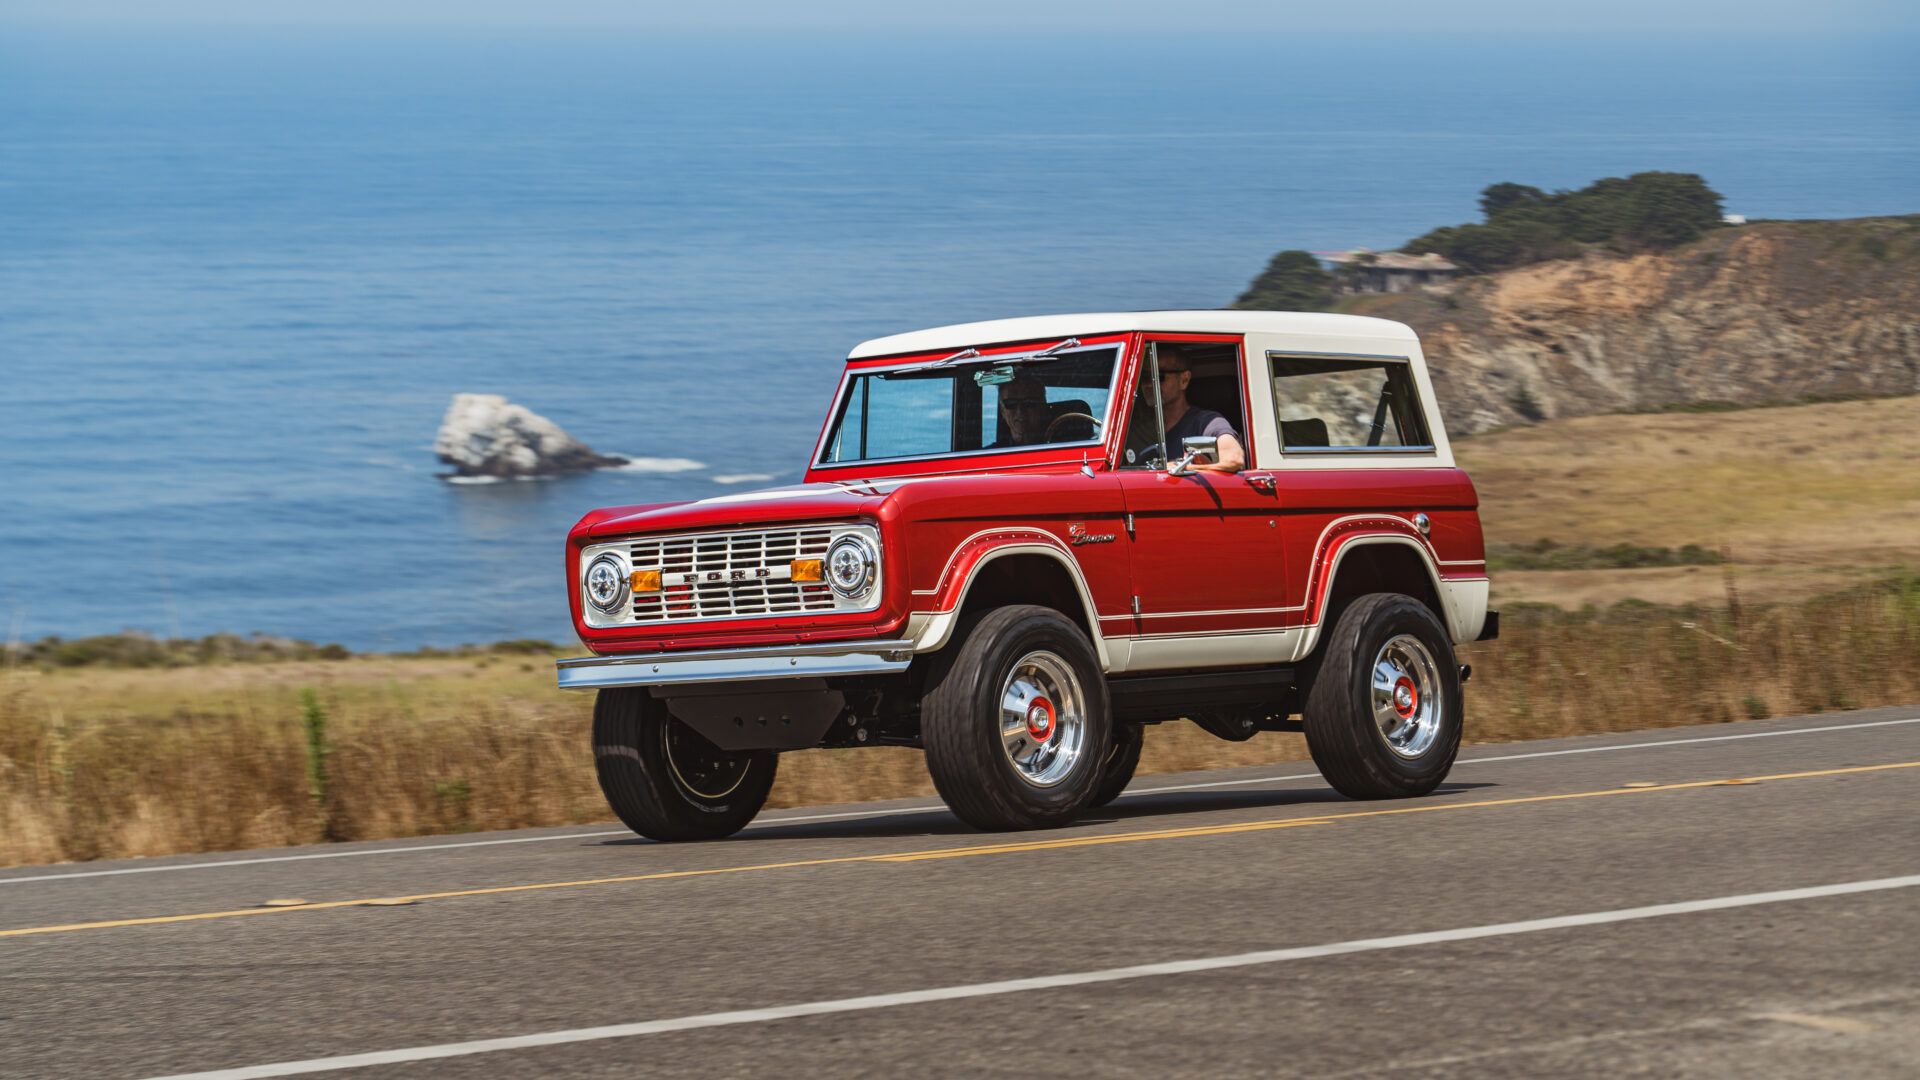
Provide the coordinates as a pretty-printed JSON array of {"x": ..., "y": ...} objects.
[{"x": 1053, "y": 327}]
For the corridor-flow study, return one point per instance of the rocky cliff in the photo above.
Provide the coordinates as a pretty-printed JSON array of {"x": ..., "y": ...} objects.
[{"x": 1771, "y": 312}]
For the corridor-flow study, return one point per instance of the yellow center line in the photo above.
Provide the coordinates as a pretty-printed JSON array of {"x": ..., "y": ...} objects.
[
  {"x": 977, "y": 849},
  {"x": 1327, "y": 819},
  {"x": 1110, "y": 838}
]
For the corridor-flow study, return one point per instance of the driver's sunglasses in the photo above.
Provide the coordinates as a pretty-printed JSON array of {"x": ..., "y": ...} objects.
[
  {"x": 1167, "y": 373},
  {"x": 1024, "y": 402}
]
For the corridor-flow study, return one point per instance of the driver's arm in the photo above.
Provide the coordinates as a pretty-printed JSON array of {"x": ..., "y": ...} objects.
[{"x": 1232, "y": 457}]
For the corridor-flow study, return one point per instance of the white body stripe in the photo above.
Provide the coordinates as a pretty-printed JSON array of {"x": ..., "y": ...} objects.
[{"x": 1463, "y": 602}]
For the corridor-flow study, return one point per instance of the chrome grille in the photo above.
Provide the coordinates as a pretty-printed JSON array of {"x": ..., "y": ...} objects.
[{"x": 675, "y": 555}]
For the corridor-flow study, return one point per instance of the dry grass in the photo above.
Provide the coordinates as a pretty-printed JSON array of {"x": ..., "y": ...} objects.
[
  {"x": 101, "y": 764},
  {"x": 1639, "y": 665},
  {"x": 1805, "y": 499},
  {"x": 107, "y": 763},
  {"x": 111, "y": 763}
]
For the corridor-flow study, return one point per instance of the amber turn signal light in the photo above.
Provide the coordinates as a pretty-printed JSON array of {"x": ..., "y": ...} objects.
[
  {"x": 645, "y": 581},
  {"x": 809, "y": 570}
]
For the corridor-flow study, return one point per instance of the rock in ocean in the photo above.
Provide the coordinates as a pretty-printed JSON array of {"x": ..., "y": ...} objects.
[{"x": 485, "y": 435}]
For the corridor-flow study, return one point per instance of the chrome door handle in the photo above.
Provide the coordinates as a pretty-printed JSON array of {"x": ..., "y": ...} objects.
[{"x": 1266, "y": 482}]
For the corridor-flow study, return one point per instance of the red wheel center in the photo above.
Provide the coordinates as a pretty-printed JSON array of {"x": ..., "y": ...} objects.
[
  {"x": 1406, "y": 698},
  {"x": 1040, "y": 719}
]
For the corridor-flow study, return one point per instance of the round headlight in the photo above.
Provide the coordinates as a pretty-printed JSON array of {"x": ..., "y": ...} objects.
[
  {"x": 606, "y": 583},
  {"x": 852, "y": 565}
]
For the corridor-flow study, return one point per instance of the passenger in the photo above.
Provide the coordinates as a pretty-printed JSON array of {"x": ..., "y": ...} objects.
[
  {"x": 1023, "y": 406},
  {"x": 1185, "y": 420}
]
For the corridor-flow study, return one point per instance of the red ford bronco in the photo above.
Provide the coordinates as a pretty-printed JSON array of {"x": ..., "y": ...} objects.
[{"x": 1000, "y": 555}]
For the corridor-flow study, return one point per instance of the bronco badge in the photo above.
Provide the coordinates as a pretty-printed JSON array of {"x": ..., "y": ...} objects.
[{"x": 1077, "y": 535}]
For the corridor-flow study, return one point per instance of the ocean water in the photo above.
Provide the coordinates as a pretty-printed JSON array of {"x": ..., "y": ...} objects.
[{"x": 241, "y": 276}]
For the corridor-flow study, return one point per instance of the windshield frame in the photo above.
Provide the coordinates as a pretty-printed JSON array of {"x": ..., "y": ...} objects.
[{"x": 989, "y": 355}]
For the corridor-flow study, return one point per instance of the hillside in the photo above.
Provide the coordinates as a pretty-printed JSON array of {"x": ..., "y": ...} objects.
[
  {"x": 1764, "y": 313},
  {"x": 1802, "y": 500}
]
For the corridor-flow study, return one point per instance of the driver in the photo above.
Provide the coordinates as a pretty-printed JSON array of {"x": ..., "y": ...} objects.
[
  {"x": 1185, "y": 420},
  {"x": 1023, "y": 405}
]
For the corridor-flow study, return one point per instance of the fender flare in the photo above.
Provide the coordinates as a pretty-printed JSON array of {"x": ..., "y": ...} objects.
[
  {"x": 1451, "y": 617},
  {"x": 931, "y": 630}
]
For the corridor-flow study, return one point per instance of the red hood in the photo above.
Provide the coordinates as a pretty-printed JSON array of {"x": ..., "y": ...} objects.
[{"x": 800, "y": 502}]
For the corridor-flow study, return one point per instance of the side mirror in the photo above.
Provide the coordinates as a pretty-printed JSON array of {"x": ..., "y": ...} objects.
[{"x": 1195, "y": 446}]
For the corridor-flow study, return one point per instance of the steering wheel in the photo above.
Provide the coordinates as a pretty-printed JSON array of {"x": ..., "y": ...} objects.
[{"x": 1094, "y": 420}]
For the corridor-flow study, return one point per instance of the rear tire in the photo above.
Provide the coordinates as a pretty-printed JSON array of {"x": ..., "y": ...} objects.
[
  {"x": 1015, "y": 720},
  {"x": 667, "y": 782},
  {"x": 1122, "y": 760},
  {"x": 1383, "y": 717}
]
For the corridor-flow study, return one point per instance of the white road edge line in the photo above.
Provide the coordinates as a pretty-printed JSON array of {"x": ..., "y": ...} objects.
[
  {"x": 1042, "y": 982},
  {"x": 431, "y": 847},
  {"x": 1701, "y": 739},
  {"x": 457, "y": 844},
  {"x": 770, "y": 823}
]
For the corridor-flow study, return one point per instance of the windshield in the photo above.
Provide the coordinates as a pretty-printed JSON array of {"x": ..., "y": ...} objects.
[{"x": 927, "y": 410}]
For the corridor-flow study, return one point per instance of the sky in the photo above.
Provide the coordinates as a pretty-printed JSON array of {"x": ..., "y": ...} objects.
[{"x": 1731, "y": 17}]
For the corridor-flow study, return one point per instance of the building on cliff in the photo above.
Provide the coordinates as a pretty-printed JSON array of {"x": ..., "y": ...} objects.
[{"x": 1363, "y": 271}]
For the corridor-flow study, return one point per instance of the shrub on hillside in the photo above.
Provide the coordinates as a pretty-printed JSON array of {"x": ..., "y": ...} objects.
[
  {"x": 1292, "y": 281},
  {"x": 138, "y": 650},
  {"x": 1545, "y": 554},
  {"x": 1649, "y": 211}
]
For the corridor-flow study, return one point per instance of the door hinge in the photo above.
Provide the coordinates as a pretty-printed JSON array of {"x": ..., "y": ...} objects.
[
  {"x": 1136, "y": 605},
  {"x": 1129, "y": 526}
]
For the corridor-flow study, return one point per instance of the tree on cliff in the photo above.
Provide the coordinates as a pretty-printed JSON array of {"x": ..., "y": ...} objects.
[
  {"x": 1648, "y": 211},
  {"x": 1292, "y": 281},
  {"x": 1501, "y": 198},
  {"x": 1663, "y": 210}
]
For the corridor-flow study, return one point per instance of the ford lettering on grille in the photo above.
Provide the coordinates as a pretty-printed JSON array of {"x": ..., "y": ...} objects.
[
  {"x": 758, "y": 573},
  {"x": 730, "y": 575}
]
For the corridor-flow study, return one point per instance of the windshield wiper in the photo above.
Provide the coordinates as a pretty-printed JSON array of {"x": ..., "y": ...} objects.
[
  {"x": 1047, "y": 352},
  {"x": 1051, "y": 352}
]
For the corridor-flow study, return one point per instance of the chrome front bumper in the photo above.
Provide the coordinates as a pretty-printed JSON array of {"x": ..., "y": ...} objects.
[{"x": 810, "y": 661}]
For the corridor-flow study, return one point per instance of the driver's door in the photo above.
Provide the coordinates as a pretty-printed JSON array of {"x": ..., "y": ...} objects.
[{"x": 1205, "y": 547}]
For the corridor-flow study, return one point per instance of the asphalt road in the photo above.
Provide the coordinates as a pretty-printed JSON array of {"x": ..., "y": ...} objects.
[{"x": 1597, "y": 907}]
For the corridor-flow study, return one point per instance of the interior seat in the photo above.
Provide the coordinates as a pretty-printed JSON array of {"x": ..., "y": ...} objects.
[
  {"x": 1309, "y": 432},
  {"x": 1076, "y": 430}
]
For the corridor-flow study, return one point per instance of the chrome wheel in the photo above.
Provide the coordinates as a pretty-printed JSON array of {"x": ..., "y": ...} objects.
[
  {"x": 1043, "y": 718},
  {"x": 1406, "y": 696},
  {"x": 700, "y": 768}
]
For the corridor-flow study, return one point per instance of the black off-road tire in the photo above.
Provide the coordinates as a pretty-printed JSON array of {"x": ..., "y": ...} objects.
[
  {"x": 960, "y": 721},
  {"x": 1122, "y": 758},
  {"x": 1348, "y": 744},
  {"x": 667, "y": 782}
]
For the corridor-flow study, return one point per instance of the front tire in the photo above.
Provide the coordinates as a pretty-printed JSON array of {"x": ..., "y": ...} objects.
[
  {"x": 667, "y": 782},
  {"x": 1383, "y": 717},
  {"x": 1015, "y": 721}
]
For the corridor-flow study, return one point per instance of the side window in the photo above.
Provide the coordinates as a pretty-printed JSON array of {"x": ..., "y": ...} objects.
[
  {"x": 1143, "y": 448},
  {"x": 1197, "y": 388},
  {"x": 1330, "y": 404}
]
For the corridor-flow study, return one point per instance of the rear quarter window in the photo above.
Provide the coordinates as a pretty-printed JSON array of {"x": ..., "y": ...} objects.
[{"x": 1334, "y": 404}]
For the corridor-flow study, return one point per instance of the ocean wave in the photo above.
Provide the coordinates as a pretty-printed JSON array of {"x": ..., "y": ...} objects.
[
  {"x": 659, "y": 464},
  {"x": 743, "y": 478},
  {"x": 456, "y": 479}
]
